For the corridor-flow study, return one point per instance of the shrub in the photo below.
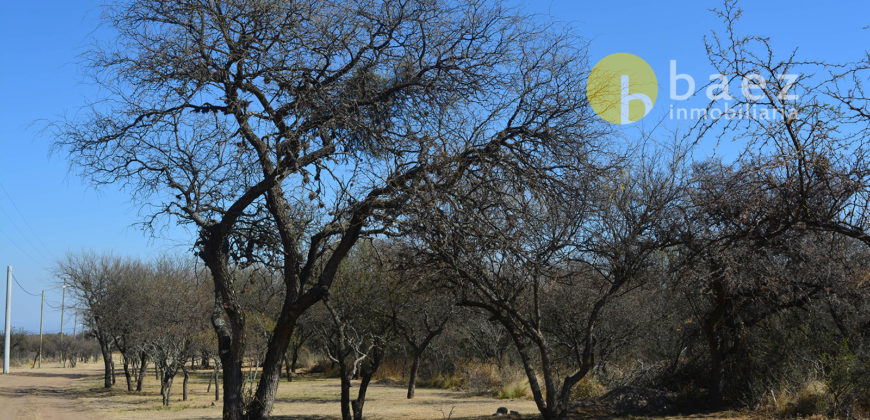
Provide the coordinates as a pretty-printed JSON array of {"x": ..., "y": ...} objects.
[
  {"x": 587, "y": 387},
  {"x": 514, "y": 390},
  {"x": 848, "y": 383},
  {"x": 326, "y": 367},
  {"x": 785, "y": 402},
  {"x": 480, "y": 378},
  {"x": 444, "y": 382}
]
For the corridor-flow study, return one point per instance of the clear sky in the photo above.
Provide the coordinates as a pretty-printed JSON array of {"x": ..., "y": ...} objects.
[{"x": 47, "y": 211}]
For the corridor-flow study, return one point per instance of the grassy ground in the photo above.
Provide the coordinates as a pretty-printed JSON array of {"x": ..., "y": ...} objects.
[{"x": 53, "y": 392}]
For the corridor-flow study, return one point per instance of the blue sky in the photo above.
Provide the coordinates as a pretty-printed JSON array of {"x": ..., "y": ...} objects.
[{"x": 47, "y": 211}]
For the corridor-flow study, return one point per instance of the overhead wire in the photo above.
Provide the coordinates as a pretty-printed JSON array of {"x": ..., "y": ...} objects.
[
  {"x": 26, "y": 223},
  {"x": 22, "y": 287}
]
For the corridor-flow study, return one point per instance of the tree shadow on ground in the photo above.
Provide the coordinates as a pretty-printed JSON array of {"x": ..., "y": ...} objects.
[{"x": 52, "y": 374}]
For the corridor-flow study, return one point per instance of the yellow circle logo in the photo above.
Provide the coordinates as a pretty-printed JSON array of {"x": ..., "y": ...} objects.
[{"x": 622, "y": 88}]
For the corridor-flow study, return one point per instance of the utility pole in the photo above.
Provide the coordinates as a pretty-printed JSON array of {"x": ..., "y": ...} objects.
[
  {"x": 41, "y": 312},
  {"x": 62, "y": 300},
  {"x": 8, "y": 332},
  {"x": 75, "y": 323}
]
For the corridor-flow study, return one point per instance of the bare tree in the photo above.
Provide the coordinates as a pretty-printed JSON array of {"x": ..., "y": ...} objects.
[
  {"x": 285, "y": 130},
  {"x": 362, "y": 323},
  {"x": 96, "y": 283},
  {"x": 419, "y": 319},
  {"x": 517, "y": 243},
  {"x": 176, "y": 308},
  {"x": 128, "y": 322},
  {"x": 809, "y": 146},
  {"x": 803, "y": 168}
]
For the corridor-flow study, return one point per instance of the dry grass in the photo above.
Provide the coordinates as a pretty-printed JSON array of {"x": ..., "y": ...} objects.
[
  {"x": 75, "y": 393},
  {"x": 55, "y": 392}
]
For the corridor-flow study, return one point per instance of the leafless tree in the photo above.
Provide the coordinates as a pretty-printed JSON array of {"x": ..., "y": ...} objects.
[
  {"x": 176, "y": 307},
  {"x": 285, "y": 130},
  {"x": 361, "y": 323},
  {"x": 96, "y": 282},
  {"x": 811, "y": 150},
  {"x": 544, "y": 249},
  {"x": 803, "y": 167},
  {"x": 420, "y": 318}
]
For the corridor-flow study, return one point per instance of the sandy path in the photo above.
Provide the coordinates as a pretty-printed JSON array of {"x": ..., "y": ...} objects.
[{"x": 46, "y": 393}]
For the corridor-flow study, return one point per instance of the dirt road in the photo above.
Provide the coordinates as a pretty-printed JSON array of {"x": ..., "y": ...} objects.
[{"x": 47, "y": 393}]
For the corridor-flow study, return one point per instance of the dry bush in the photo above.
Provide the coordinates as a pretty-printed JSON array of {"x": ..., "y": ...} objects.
[
  {"x": 514, "y": 390},
  {"x": 588, "y": 387},
  {"x": 392, "y": 370},
  {"x": 480, "y": 377},
  {"x": 443, "y": 381},
  {"x": 483, "y": 378},
  {"x": 325, "y": 367},
  {"x": 786, "y": 402}
]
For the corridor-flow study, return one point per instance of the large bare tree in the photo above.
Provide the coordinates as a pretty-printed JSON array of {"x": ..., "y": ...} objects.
[
  {"x": 282, "y": 131},
  {"x": 543, "y": 250}
]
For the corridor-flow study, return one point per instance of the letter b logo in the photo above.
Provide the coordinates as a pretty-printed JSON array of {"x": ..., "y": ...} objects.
[{"x": 622, "y": 88}]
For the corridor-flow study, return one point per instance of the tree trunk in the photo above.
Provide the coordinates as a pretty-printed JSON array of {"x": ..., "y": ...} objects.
[
  {"x": 412, "y": 377},
  {"x": 107, "y": 362},
  {"x": 287, "y": 368},
  {"x": 228, "y": 320},
  {"x": 366, "y": 373},
  {"x": 360, "y": 400},
  {"x": 294, "y": 305},
  {"x": 231, "y": 360},
  {"x": 143, "y": 366},
  {"x": 166, "y": 388},
  {"x": 715, "y": 379},
  {"x": 345, "y": 393},
  {"x": 217, "y": 394},
  {"x": 184, "y": 384},
  {"x": 418, "y": 354},
  {"x": 264, "y": 398},
  {"x": 710, "y": 327},
  {"x": 295, "y": 357},
  {"x": 163, "y": 392},
  {"x": 127, "y": 373}
]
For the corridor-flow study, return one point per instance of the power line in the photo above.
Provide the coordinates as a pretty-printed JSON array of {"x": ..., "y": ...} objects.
[
  {"x": 24, "y": 219},
  {"x": 22, "y": 287},
  {"x": 16, "y": 245}
]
